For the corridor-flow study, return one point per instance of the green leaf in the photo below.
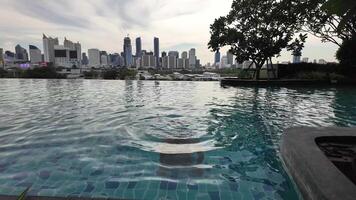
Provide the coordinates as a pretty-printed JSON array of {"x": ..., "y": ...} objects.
[{"x": 339, "y": 7}]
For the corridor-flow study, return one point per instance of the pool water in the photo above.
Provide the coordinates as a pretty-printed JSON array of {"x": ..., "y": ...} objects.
[{"x": 155, "y": 140}]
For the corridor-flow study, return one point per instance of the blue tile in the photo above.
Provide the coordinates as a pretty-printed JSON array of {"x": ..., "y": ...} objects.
[
  {"x": 163, "y": 185},
  {"x": 257, "y": 195},
  {"x": 234, "y": 187},
  {"x": 90, "y": 187},
  {"x": 172, "y": 186},
  {"x": 192, "y": 187},
  {"x": 112, "y": 184},
  {"x": 45, "y": 174},
  {"x": 131, "y": 185},
  {"x": 96, "y": 172},
  {"x": 214, "y": 195}
]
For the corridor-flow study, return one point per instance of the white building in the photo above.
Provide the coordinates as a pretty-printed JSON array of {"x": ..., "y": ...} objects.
[
  {"x": 148, "y": 61},
  {"x": 305, "y": 60},
  {"x": 65, "y": 57},
  {"x": 247, "y": 64},
  {"x": 48, "y": 48},
  {"x": 35, "y": 54},
  {"x": 172, "y": 62},
  {"x": 323, "y": 62},
  {"x": 230, "y": 58},
  {"x": 182, "y": 63},
  {"x": 224, "y": 62},
  {"x": 192, "y": 58},
  {"x": 74, "y": 46},
  {"x": 94, "y": 57}
]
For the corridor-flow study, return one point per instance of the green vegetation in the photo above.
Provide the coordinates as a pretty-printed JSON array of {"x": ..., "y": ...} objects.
[
  {"x": 41, "y": 72},
  {"x": 347, "y": 53},
  {"x": 257, "y": 30}
]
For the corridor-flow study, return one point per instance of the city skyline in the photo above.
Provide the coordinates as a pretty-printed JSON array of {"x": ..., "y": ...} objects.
[{"x": 178, "y": 29}]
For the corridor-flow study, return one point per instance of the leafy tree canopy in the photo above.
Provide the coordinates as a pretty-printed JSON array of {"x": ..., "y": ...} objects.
[{"x": 256, "y": 30}]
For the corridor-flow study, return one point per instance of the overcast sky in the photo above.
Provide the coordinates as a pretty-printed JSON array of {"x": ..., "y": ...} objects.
[{"x": 180, "y": 24}]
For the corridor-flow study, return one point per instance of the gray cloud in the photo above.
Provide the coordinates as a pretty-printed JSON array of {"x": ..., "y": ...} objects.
[{"x": 57, "y": 12}]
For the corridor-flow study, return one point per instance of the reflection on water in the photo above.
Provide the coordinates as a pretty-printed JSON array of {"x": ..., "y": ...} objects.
[
  {"x": 193, "y": 135},
  {"x": 181, "y": 165}
]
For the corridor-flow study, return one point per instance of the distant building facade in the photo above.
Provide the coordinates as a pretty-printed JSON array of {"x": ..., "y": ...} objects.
[
  {"x": 35, "y": 54},
  {"x": 192, "y": 58},
  {"x": 156, "y": 50},
  {"x": 94, "y": 57},
  {"x": 21, "y": 53},
  {"x": 138, "y": 47},
  {"x": 48, "y": 48},
  {"x": 128, "y": 52}
]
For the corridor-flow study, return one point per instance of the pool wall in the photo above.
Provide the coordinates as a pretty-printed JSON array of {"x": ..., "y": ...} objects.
[{"x": 315, "y": 175}]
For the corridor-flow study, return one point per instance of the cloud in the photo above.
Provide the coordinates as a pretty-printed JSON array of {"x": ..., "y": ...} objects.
[
  {"x": 57, "y": 12},
  {"x": 180, "y": 24}
]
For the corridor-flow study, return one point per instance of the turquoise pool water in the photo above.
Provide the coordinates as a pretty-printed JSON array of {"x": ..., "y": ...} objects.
[{"x": 155, "y": 140}]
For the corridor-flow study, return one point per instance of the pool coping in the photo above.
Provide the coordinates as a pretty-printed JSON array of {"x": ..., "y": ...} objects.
[
  {"x": 4, "y": 197},
  {"x": 315, "y": 175}
]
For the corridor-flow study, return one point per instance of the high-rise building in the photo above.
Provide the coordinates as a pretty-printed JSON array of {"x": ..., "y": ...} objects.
[
  {"x": 296, "y": 59},
  {"x": 156, "y": 50},
  {"x": 230, "y": 58},
  {"x": 127, "y": 52},
  {"x": 172, "y": 62},
  {"x": 74, "y": 46},
  {"x": 164, "y": 54},
  {"x": 35, "y": 54},
  {"x": 21, "y": 53},
  {"x": 2, "y": 62},
  {"x": 217, "y": 57},
  {"x": 104, "y": 58},
  {"x": 48, "y": 48},
  {"x": 85, "y": 60},
  {"x": 94, "y": 57},
  {"x": 224, "y": 62},
  {"x": 148, "y": 60},
  {"x": 138, "y": 47},
  {"x": 305, "y": 60},
  {"x": 184, "y": 55},
  {"x": 192, "y": 58},
  {"x": 174, "y": 53}
]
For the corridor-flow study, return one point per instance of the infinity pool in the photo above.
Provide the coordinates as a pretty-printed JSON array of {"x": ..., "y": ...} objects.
[{"x": 155, "y": 140}]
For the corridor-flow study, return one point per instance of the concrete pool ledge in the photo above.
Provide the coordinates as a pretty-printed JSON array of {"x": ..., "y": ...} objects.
[{"x": 315, "y": 175}]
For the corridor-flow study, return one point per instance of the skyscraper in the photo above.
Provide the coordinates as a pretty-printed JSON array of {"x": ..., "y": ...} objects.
[
  {"x": 35, "y": 54},
  {"x": 85, "y": 60},
  {"x": 94, "y": 57},
  {"x": 2, "y": 62},
  {"x": 127, "y": 52},
  {"x": 184, "y": 55},
  {"x": 138, "y": 47},
  {"x": 21, "y": 53},
  {"x": 217, "y": 57},
  {"x": 48, "y": 48},
  {"x": 192, "y": 58},
  {"x": 74, "y": 46},
  {"x": 156, "y": 51},
  {"x": 174, "y": 53}
]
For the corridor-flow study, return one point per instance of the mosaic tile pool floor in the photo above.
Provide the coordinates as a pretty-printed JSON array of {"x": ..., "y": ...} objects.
[{"x": 154, "y": 140}]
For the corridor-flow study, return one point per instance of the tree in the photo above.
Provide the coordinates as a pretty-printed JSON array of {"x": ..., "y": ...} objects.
[
  {"x": 256, "y": 30},
  {"x": 330, "y": 20},
  {"x": 297, "y": 46},
  {"x": 346, "y": 53}
]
